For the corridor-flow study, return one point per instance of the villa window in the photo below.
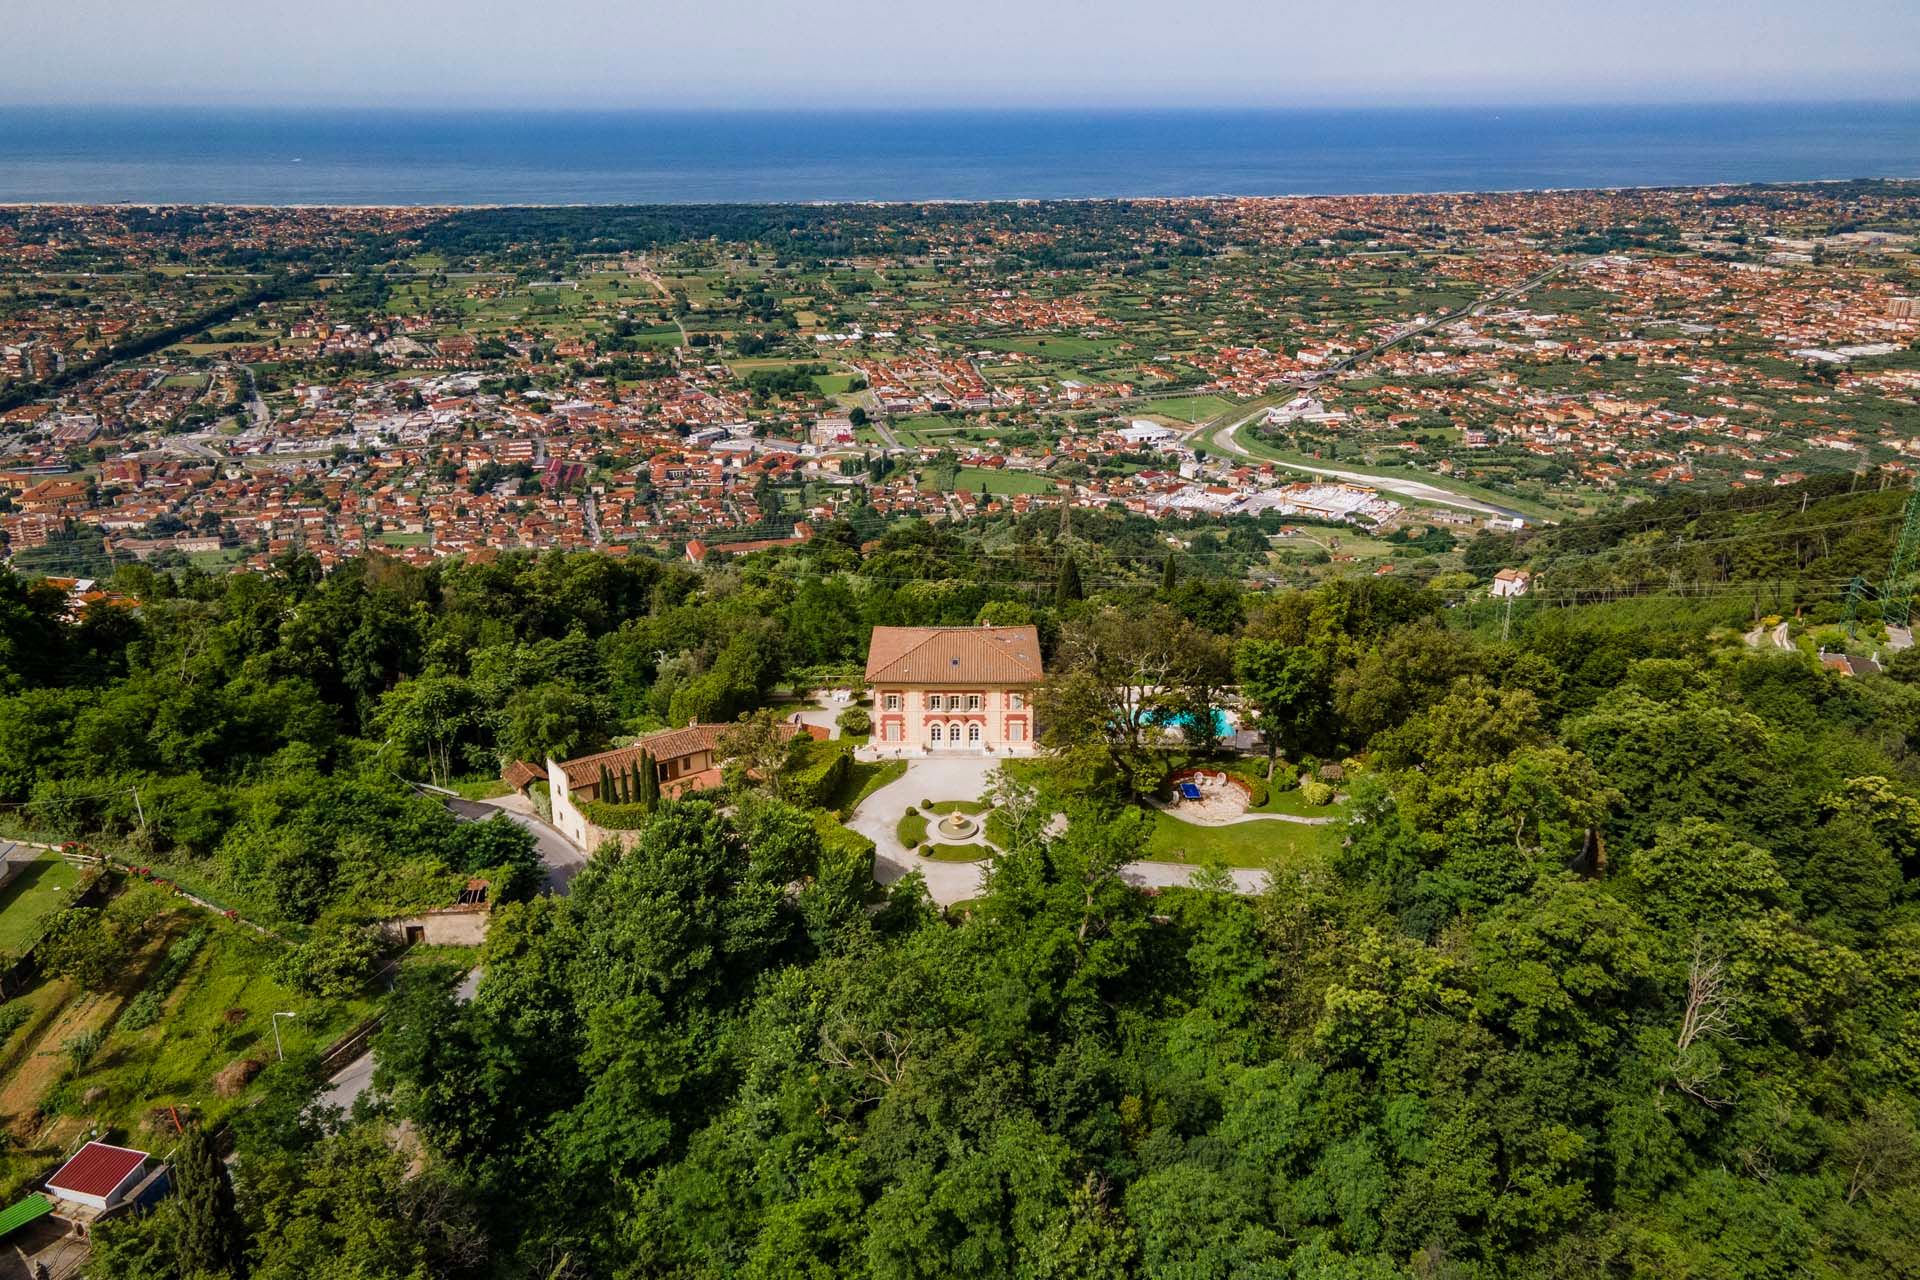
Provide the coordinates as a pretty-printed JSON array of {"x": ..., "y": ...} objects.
[
  {"x": 973, "y": 733},
  {"x": 935, "y": 702},
  {"x": 933, "y": 734},
  {"x": 953, "y": 732},
  {"x": 973, "y": 702},
  {"x": 893, "y": 702}
]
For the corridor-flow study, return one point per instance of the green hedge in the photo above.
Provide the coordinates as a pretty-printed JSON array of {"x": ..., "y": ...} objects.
[
  {"x": 845, "y": 842},
  {"x": 616, "y": 817},
  {"x": 818, "y": 780},
  {"x": 1254, "y": 774}
]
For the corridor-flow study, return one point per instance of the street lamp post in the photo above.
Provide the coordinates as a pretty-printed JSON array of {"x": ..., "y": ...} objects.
[{"x": 275, "y": 1019}]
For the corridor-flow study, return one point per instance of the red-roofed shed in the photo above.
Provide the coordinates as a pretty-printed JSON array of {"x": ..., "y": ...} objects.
[{"x": 99, "y": 1175}]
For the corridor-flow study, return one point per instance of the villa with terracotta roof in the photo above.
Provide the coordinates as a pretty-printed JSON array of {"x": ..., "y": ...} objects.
[
  {"x": 684, "y": 760},
  {"x": 954, "y": 689}
]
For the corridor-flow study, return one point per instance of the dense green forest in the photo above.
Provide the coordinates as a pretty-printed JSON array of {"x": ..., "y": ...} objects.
[{"x": 1614, "y": 969}]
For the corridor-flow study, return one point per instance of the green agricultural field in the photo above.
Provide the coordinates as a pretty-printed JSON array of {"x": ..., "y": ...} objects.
[
  {"x": 999, "y": 483},
  {"x": 218, "y": 1013},
  {"x": 1063, "y": 347},
  {"x": 1186, "y": 408}
]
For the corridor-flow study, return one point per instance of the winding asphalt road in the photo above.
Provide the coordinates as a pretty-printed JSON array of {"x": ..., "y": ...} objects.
[{"x": 562, "y": 857}]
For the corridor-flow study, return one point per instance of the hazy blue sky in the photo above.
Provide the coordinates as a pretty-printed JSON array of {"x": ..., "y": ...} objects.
[{"x": 751, "y": 53}]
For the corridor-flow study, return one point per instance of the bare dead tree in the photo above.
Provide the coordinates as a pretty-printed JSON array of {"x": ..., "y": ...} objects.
[
  {"x": 1710, "y": 1005},
  {"x": 1708, "y": 1015},
  {"x": 878, "y": 1060}
]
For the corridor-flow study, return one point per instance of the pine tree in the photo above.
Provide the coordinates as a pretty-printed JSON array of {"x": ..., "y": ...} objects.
[
  {"x": 211, "y": 1235},
  {"x": 1066, "y": 588}
]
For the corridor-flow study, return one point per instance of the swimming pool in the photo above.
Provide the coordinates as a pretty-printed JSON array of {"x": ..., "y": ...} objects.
[{"x": 1184, "y": 719}]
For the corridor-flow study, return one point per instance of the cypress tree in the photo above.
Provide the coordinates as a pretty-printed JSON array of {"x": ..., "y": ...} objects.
[
  {"x": 1066, "y": 588},
  {"x": 635, "y": 783},
  {"x": 606, "y": 786},
  {"x": 211, "y": 1239},
  {"x": 1168, "y": 574},
  {"x": 649, "y": 781}
]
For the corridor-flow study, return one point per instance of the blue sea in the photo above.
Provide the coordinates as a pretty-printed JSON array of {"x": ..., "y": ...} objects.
[{"x": 287, "y": 156}]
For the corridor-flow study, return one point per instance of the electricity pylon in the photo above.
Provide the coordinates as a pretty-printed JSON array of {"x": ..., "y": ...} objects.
[{"x": 1896, "y": 597}]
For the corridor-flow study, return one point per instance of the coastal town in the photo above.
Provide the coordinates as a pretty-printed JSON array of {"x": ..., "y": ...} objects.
[{"x": 216, "y": 387}]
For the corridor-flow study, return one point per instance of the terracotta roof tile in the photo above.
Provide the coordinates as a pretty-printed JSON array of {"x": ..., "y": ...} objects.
[
  {"x": 668, "y": 744},
  {"x": 954, "y": 655}
]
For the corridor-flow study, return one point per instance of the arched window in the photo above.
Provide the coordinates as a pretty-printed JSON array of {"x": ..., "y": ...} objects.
[
  {"x": 934, "y": 733},
  {"x": 953, "y": 732},
  {"x": 973, "y": 733}
]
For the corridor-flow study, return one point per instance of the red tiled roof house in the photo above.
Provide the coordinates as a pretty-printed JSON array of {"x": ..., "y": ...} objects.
[
  {"x": 954, "y": 689},
  {"x": 684, "y": 760}
]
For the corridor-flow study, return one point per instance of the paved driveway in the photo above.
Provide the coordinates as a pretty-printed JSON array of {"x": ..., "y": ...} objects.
[
  {"x": 964, "y": 778},
  {"x": 823, "y": 710},
  {"x": 932, "y": 778}
]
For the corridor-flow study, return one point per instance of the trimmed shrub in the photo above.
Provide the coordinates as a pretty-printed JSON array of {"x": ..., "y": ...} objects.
[
  {"x": 616, "y": 817},
  {"x": 820, "y": 776},
  {"x": 1315, "y": 793},
  {"x": 856, "y": 720},
  {"x": 843, "y": 842}
]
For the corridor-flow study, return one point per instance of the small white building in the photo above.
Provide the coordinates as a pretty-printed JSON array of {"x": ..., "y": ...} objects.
[
  {"x": 1511, "y": 582},
  {"x": 99, "y": 1175},
  {"x": 1151, "y": 435}
]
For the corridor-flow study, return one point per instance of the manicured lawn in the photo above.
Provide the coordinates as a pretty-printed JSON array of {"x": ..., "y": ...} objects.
[
  {"x": 34, "y": 894},
  {"x": 1293, "y": 803},
  {"x": 864, "y": 777},
  {"x": 1245, "y": 844},
  {"x": 958, "y": 853}
]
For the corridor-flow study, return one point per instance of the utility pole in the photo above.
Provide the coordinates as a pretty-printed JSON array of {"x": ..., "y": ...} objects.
[
  {"x": 140, "y": 812},
  {"x": 1506, "y": 620}
]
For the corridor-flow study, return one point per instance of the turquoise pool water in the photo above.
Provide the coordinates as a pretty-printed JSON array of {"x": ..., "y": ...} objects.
[{"x": 1184, "y": 719}]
